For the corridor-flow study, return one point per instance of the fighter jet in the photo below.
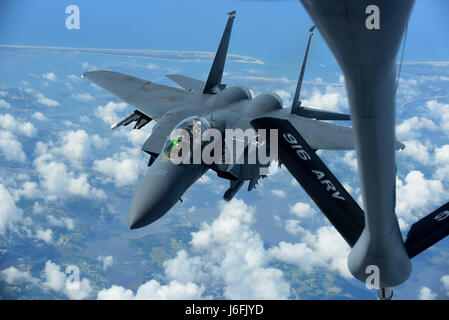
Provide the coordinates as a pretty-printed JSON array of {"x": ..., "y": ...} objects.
[
  {"x": 365, "y": 37},
  {"x": 207, "y": 105}
]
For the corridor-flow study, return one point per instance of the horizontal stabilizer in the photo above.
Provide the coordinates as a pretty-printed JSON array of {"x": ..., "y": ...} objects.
[
  {"x": 191, "y": 85},
  {"x": 316, "y": 179},
  {"x": 428, "y": 231},
  {"x": 321, "y": 114}
]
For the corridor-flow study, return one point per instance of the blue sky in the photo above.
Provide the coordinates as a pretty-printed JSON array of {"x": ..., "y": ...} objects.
[{"x": 271, "y": 30}]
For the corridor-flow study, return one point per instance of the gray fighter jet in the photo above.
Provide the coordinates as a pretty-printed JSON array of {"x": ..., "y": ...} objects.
[{"x": 212, "y": 105}]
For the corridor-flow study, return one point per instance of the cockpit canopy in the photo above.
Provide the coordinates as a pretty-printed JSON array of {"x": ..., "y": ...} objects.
[{"x": 184, "y": 138}]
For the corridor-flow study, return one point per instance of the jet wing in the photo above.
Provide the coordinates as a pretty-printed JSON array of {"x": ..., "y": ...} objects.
[{"x": 152, "y": 99}]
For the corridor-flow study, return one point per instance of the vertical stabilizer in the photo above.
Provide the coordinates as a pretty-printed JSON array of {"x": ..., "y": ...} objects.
[
  {"x": 296, "y": 103},
  {"x": 213, "y": 83}
]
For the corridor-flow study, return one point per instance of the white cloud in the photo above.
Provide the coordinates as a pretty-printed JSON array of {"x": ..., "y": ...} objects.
[
  {"x": 292, "y": 226},
  {"x": 324, "y": 248},
  {"x": 10, "y": 123},
  {"x": 417, "y": 151},
  {"x": 39, "y": 116},
  {"x": 14, "y": 276},
  {"x": 439, "y": 111},
  {"x": 445, "y": 281},
  {"x": 50, "y": 76},
  {"x": 278, "y": 193},
  {"x": 123, "y": 168},
  {"x": 106, "y": 261},
  {"x": 46, "y": 101},
  {"x": 299, "y": 254},
  {"x": 45, "y": 235},
  {"x": 236, "y": 256},
  {"x": 75, "y": 145},
  {"x": 426, "y": 294},
  {"x": 332, "y": 100},
  {"x": 108, "y": 114},
  {"x": 83, "y": 97},
  {"x": 302, "y": 210},
  {"x": 30, "y": 190},
  {"x": 153, "y": 290},
  {"x": 115, "y": 293},
  {"x": 4, "y": 104},
  {"x": 409, "y": 206},
  {"x": 409, "y": 128},
  {"x": 59, "y": 182},
  {"x": 442, "y": 154},
  {"x": 57, "y": 280},
  {"x": 350, "y": 160},
  {"x": 66, "y": 222},
  {"x": 10, "y": 147}
]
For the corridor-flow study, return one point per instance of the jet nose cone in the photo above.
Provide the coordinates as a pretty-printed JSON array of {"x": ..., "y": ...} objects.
[
  {"x": 151, "y": 201},
  {"x": 163, "y": 186}
]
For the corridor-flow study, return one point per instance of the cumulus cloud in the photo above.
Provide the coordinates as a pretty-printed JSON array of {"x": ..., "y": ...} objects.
[
  {"x": 324, "y": 248},
  {"x": 10, "y": 123},
  {"x": 9, "y": 213},
  {"x": 234, "y": 254},
  {"x": 442, "y": 154},
  {"x": 46, "y": 101},
  {"x": 122, "y": 168},
  {"x": 45, "y": 235},
  {"x": 65, "y": 222},
  {"x": 108, "y": 112},
  {"x": 68, "y": 283},
  {"x": 29, "y": 190},
  {"x": 445, "y": 281},
  {"x": 106, "y": 261},
  {"x": 417, "y": 150},
  {"x": 4, "y": 104},
  {"x": 350, "y": 160},
  {"x": 332, "y": 99},
  {"x": 58, "y": 281},
  {"x": 153, "y": 290},
  {"x": 302, "y": 210},
  {"x": 441, "y": 111},
  {"x": 75, "y": 145},
  {"x": 50, "y": 76},
  {"x": 83, "y": 97},
  {"x": 409, "y": 206},
  {"x": 292, "y": 226},
  {"x": 426, "y": 294},
  {"x": 13, "y": 275},
  {"x": 410, "y": 128},
  {"x": 10, "y": 148},
  {"x": 39, "y": 116},
  {"x": 278, "y": 193},
  {"x": 58, "y": 181}
]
